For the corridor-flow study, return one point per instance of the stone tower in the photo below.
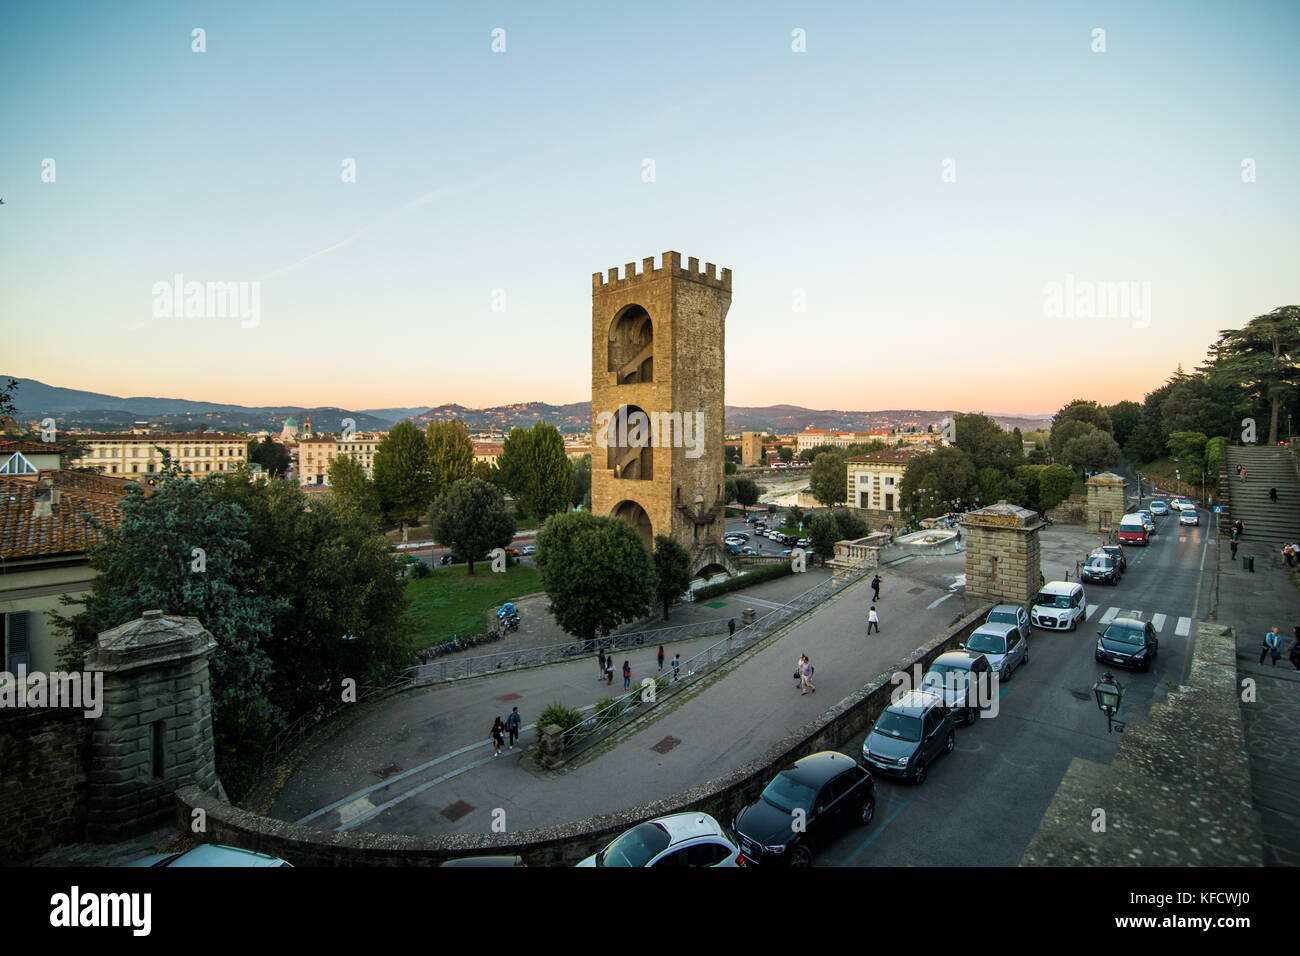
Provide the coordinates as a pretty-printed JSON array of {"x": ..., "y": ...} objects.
[{"x": 657, "y": 374}]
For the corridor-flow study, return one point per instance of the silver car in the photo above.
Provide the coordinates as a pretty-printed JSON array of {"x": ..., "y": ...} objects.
[
  {"x": 1011, "y": 614},
  {"x": 1002, "y": 644}
]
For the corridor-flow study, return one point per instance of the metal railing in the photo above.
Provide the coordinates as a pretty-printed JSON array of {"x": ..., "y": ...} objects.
[
  {"x": 633, "y": 704},
  {"x": 454, "y": 667}
]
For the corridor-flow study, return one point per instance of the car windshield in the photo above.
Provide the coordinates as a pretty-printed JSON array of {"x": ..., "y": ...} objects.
[
  {"x": 1052, "y": 600},
  {"x": 1099, "y": 563},
  {"x": 1124, "y": 634},
  {"x": 1002, "y": 617},
  {"x": 899, "y": 726},
  {"x": 636, "y": 847},
  {"x": 987, "y": 643},
  {"x": 788, "y": 794}
]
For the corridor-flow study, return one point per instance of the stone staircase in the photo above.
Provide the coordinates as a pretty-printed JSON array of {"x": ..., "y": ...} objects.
[{"x": 1268, "y": 525}]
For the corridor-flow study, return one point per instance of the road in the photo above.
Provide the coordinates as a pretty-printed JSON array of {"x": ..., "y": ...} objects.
[{"x": 981, "y": 804}]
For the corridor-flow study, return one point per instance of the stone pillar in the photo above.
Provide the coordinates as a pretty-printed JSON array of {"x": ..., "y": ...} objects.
[
  {"x": 1003, "y": 555},
  {"x": 155, "y": 733},
  {"x": 747, "y": 617},
  {"x": 552, "y": 743},
  {"x": 1107, "y": 502}
]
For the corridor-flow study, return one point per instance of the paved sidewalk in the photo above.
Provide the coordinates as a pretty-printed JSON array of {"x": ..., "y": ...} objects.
[{"x": 1253, "y": 603}]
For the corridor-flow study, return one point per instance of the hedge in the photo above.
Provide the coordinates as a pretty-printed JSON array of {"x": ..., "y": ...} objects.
[{"x": 769, "y": 573}]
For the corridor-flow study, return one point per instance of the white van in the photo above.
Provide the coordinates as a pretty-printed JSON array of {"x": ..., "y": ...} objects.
[{"x": 1059, "y": 606}]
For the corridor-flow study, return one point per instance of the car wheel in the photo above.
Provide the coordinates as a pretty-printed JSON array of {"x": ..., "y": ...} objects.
[
  {"x": 972, "y": 715},
  {"x": 800, "y": 856},
  {"x": 918, "y": 776},
  {"x": 1025, "y": 659},
  {"x": 1074, "y": 622},
  {"x": 868, "y": 811},
  {"x": 1007, "y": 675},
  {"x": 951, "y": 743}
]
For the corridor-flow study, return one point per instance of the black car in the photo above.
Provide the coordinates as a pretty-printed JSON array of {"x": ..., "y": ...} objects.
[
  {"x": 910, "y": 735},
  {"x": 803, "y": 808},
  {"x": 1128, "y": 642},
  {"x": 452, "y": 559},
  {"x": 1100, "y": 568},
  {"x": 1116, "y": 551}
]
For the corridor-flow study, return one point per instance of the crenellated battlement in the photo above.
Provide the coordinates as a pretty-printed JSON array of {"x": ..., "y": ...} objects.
[{"x": 671, "y": 265}]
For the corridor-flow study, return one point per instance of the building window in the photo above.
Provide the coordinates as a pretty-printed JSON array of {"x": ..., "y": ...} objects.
[{"x": 158, "y": 749}]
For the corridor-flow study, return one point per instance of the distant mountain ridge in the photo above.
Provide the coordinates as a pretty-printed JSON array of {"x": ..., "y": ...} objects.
[{"x": 74, "y": 408}]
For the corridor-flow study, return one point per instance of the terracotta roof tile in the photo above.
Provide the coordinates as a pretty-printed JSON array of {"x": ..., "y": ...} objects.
[{"x": 68, "y": 530}]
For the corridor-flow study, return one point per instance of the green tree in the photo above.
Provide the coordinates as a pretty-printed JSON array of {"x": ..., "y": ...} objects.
[
  {"x": 938, "y": 482},
  {"x": 672, "y": 570},
  {"x": 1066, "y": 432},
  {"x": 829, "y": 479},
  {"x": 1054, "y": 484},
  {"x": 472, "y": 519},
  {"x": 1214, "y": 458},
  {"x": 747, "y": 492},
  {"x": 823, "y": 532},
  {"x": 1188, "y": 447},
  {"x": 582, "y": 482},
  {"x": 988, "y": 446},
  {"x": 1081, "y": 410},
  {"x": 7, "y": 390},
  {"x": 785, "y": 453},
  {"x": 536, "y": 470},
  {"x": 851, "y": 526},
  {"x": 402, "y": 478},
  {"x": 596, "y": 572},
  {"x": 1263, "y": 358},
  {"x": 348, "y": 483},
  {"x": 451, "y": 454},
  {"x": 271, "y": 455},
  {"x": 1124, "y": 418},
  {"x": 1091, "y": 452}
]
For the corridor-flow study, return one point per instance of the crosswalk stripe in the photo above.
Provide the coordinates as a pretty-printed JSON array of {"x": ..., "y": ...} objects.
[
  {"x": 1184, "y": 626},
  {"x": 1092, "y": 609},
  {"x": 1109, "y": 615},
  {"x": 1158, "y": 622}
]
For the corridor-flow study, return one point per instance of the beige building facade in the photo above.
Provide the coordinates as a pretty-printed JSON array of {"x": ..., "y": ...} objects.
[
  {"x": 139, "y": 452},
  {"x": 875, "y": 481},
  {"x": 315, "y": 455}
]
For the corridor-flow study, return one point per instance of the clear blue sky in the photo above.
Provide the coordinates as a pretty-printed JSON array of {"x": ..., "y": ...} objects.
[{"x": 522, "y": 171}]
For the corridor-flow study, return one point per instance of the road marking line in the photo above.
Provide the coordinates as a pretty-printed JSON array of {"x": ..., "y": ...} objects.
[
  {"x": 880, "y": 829},
  {"x": 1092, "y": 609},
  {"x": 1109, "y": 615},
  {"x": 1184, "y": 626},
  {"x": 354, "y": 809},
  {"x": 1158, "y": 622},
  {"x": 934, "y": 604},
  {"x": 1136, "y": 614}
]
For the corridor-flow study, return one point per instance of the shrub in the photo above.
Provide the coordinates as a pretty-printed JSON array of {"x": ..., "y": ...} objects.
[
  {"x": 769, "y": 573},
  {"x": 564, "y": 717}
]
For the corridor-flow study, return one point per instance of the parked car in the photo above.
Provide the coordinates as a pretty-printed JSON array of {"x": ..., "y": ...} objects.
[
  {"x": 743, "y": 536},
  {"x": 1129, "y": 642},
  {"x": 529, "y": 549},
  {"x": 748, "y": 550},
  {"x": 212, "y": 855},
  {"x": 830, "y": 790},
  {"x": 1158, "y": 508},
  {"x": 1189, "y": 516},
  {"x": 514, "y": 552},
  {"x": 1100, "y": 568},
  {"x": 733, "y": 547},
  {"x": 910, "y": 735},
  {"x": 452, "y": 559},
  {"x": 1058, "y": 606},
  {"x": 1003, "y": 646},
  {"x": 1116, "y": 551},
  {"x": 803, "y": 543},
  {"x": 1133, "y": 530},
  {"x": 678, "y": 840},
  {"x": 955, "y": 677},
  {"x": 1010, "y": 614},
  {"x": 486, "y": 860}
]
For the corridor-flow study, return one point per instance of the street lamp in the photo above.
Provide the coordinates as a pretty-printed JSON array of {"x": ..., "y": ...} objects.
[{"x": 1110, "y": 694}]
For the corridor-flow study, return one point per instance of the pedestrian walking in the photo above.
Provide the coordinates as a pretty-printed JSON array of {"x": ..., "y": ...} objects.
[
  {"x": 1272, "y": 495},
  {"x": 731, "y": 627},
  {"x": 1239, "y": 469},
  {"x": 873, "y": 620},
  {"x": 609, "y": 670},
  {"x": 1295, "y": 647},
  {"x": 1232, "y": 546},
  {"x": 1243, "y": 475},
  {"x": 512, "y": 726},
  {"x": 1272, "y": 646},
  {"x": 677, "y": 662},
  {"x": 798, "y": 671},
  {"x": 807, "y": 672},
  {"x": 875, "y": 588},
  {"x": 627, "y": 675},
  {"x": 661, "y": 657},
  {"x": 498, "y": 739},
  {"x": 602, "y": 665}
]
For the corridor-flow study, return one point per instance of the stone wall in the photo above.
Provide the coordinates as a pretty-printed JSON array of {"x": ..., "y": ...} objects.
[
  {"x": 44, "y": 785},
  {"x": 566, "y": 844},
  {"x": 1107, "y": 502},
  {"x": 1171, "y": 798},
  {"x": 1073, "y": 510},
  {"x": 1003, "y": 562}
]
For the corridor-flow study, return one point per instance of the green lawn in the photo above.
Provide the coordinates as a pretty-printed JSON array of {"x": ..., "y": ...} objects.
[{"x": 449, "y": 601}]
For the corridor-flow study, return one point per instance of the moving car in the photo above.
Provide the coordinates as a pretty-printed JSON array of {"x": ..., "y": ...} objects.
[
  {"x": 828, "y": 790},
  {"x": 1189, "y": 516},
  {"x": 1133, "y": 530},
  {"x": 1100, "y": 568},
  {"x": 678, "y": 840},
  {"x": 1158, "y": 508},
  {"x": 910, "y": 735},
  {"x": 210, "y": 855},
  {"x": 1148, "y": 519},
  {"x": 955, "y": 677},
  {"x": 1003, "y": 646},
  {"x": 1129, "y": 642},
  {"x": 1010, "y": 614},
  {"x": 1058, "y": 606},
  {"x": 1116, "y": 551},
  {"x": 452, "y": 559},
  {"x": 1181, "y": 504}
]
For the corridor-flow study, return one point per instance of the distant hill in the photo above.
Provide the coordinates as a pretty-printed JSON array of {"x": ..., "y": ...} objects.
[{"x": 73, "y": 408}]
